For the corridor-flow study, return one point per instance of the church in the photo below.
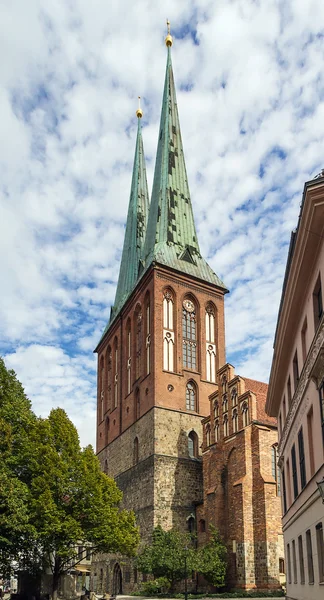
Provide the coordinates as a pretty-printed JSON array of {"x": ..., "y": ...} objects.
[{"x": 161, "y": 368}]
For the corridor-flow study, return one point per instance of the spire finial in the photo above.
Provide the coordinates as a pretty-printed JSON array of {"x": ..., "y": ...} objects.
[
  {"x": 139, "y": 112},
  {"x": 168, "y": 39}
]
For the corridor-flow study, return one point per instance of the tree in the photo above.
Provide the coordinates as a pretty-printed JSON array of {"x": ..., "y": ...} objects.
[
  {"x": 167, "y": 556},
  {"x": 210, "y": 560}
]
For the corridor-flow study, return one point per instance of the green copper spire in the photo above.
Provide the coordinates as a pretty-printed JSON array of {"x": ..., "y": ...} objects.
[
  {"x": 171, "y": 237},
  {"x": 135, "y": 226}
]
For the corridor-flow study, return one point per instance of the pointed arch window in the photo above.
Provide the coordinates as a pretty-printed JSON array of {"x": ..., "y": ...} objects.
[
  {"x": 245, "y": 413},
  {"x": 147, "y": 334},
  {"x": 216, "y": 430},
  {"x": 138, "y": 342},
  {"x": 216, "y": 409},
  {"x": 225, "y": 424},
  {"x": 225, "y": 403},
  {"x": 235, "y": 420},
  {"x": 224, "y": 384},
  {"x": 109, "y": 357},
  {"x": 102, "y": 387},
  {"x": 208, "y": 435},
  {"x": 168, "y": 331},
  {"x": 189, "y": 334},
  {"x": 135, "y": 451},
  {"x": 210, "y": 343},
  {"x": 234, "y": 396},
  {"x": 193, "y": 444},
  {"x": 116, "y": 387},
  {"x": 191, "y": 396},
  {"x": 129, "y": 357}
]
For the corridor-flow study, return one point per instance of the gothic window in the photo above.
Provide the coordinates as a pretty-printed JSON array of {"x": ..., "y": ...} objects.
[
  {"x": 147, "y": 334},
  {"x": 202, "y": 525},
  {"x": 207, "y": 435},
  {"x": 109, "y": 378},
  {"x": 274, "y": 468},
  {"x": 115, "y": 373},
  {"x": 191, "y": 525},
  {"x": 235, "y": 420},
  {"x": 189, "y": 334},
  {"x": 168, "y": 331},
  {"x": 245, "y": 413},
  {"x": 225, "y": 403},
  {"x": 193, "y": 444},
  {"x": 234, "y": 396},
  {"x": 136, "y": 453},
  {"x": 224, "y": 384},
  {"x": 216, "y": 430},
  {"x": 210, "y": 344},
  {"x": 129, "y": 357},
  {"x": 225, "y": 424},
  {"x": 102, "y": 387},
  {"x": 216, "y": 409},
  {"x": 191, "y": 396},
  {"x": 138, "y": 342},
  {"x": 137, "y": 405}
]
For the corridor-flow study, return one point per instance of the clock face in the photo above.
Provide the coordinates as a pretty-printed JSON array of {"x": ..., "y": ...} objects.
[{"x": 188, "y": 305}]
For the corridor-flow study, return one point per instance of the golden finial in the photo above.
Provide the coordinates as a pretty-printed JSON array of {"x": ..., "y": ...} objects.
[
  {"x": 139, "y": 112},
  {"x": 168, "y": 39}
]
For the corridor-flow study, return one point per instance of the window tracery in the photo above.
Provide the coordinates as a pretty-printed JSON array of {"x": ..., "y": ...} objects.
[
  {"x": 138, "y": 349},
  {"x": 148, "y": 335},
  {"x": 191, "y": 396},
  {"x": 129, "y": 357},
  {"x": 216, "y": 430},
  {"x": 189, "y": 334},
  {"x": 235, "y": 420},
  {"x": 168, "y": 331},
  {"x": 225, "y": 403},
  {"x": 234, "y": 396},
  {"x": 216, "y": 409},
  {"x": 245, "y": 413},
  {"x": 116, "y": 374},
  {"x": 210, "y": 344},
  {"x": 193, "y": 444},
  {"x": 109, "y": 359},
  {"x": 225, "y": 424}
]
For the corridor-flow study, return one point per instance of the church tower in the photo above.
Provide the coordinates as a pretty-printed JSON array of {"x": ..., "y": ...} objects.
[{"x": 158, "y": 356}]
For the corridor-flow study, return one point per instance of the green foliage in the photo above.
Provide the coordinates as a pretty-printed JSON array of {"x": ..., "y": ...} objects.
[
  {"x": 210, "y": 560},
  {"x": 161, "y": 585}
]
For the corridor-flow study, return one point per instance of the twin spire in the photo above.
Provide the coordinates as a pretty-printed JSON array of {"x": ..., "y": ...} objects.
[{"x": 163, "y": 232}]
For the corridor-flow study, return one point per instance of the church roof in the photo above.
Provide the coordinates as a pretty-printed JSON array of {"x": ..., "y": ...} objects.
[
  {"x": 135, "y": 226},
  {"x": 171, "y": 237}
]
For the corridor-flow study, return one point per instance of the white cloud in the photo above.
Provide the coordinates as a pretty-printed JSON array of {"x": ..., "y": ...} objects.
[{"x": 251, "y": 109}]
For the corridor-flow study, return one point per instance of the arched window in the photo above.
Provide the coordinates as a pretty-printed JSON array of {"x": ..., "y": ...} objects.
[
  {"x": 106, "y": 431},
  {"x": 234, "y": 396},
  {"x": 225, "y": 403},
  {"x": 191, "y": 396},
  {"x": 137, "y": 405},
  {"x": 275, "y": 469},
  {"x": 129, "y": 357},
  {"x": 235, "y": 420},
  {"x": 225, "y": 423},
  {"x": 136, "y": 451},
  {"x": 245, "y": 413},
  {"x": 191, "y": 525},
  {"x": 216, "y": 409},
  {"x": 108, "y": 358},
  {"x": 224, "y": 384},
  {"x": 202, "y": 525},
  {"x": 207, "y": 435},
  {"x": 189, "y": 334},
  {"x": 210, "y": 343},
  {"x": 147, "y": 334},
  {"x": 102, "y": 387},
  {"x": 216, "y": 429},
  {"x": 115, "y": 373},
  {"x": 168, "y": 331},
  {"x": 138, "y": 345},
  {"x": 193, "y": 444}
]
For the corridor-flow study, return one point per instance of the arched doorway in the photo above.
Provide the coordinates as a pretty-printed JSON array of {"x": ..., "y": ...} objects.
[{"x": 117, "y": 580}]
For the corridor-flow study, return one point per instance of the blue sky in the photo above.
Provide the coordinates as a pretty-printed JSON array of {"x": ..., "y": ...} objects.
[{"x": 250, "y": 88}]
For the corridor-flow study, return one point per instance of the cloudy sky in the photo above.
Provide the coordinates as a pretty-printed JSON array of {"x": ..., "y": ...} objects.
[{"x": 250, "y": 85}]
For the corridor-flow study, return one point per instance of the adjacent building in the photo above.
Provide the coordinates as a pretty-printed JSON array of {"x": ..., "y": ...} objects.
[{"x": 296, "y": 398}]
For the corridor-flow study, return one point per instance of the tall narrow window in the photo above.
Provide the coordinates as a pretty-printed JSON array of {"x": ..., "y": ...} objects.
[
  {"x": 302, "y": 468},
  {"x": 225, "y": 424},
  {"x": 109, "y": 358},
  {"x": 321, "y": 399},
  {"x": 148, "y": 335},
  {"x": 317, "y": 302},
  {"x": 235, "y": 420},
  {"x": 245, "y": 414},
  {"x": 138, "y": 356},
  {"x": 295, "y": 371},
  {"x": 294, "y": 560},
  {"x": 136, "y": 451},
  {"x": 189, "y": 334},
  {"x": 288, "y": 482},
  {"x": 284, "y": 491},
  {"x": 310, "y": 441},
  {"x": 294, "y": 471},
  {"x": 234, "y": 396},
  {"x": 289, "y": 392},
  {"x": 102, "y": 387},
  {"x": 216, "y": 430},
  {"x": 191, "y": 396},
  {"x": 224, "y": 384},
  {"x": 301, "y": 559},
  {"x": 275, "y": 469},
  {"x": 309, "y": 549},
  {"x": 193, "y": 444},
  {"x": 216, "y": 409},
  {"x": 129, "y": 357},
  {"x": 288, "y": 563},
  {"x": 208, "y": 435},
  {"x": 210, "y": 344},
  {"x": 320, "y": 551},
  {"x": 225, "y": 403},
  {"x": 168, "y": 331},
  {"x": 303, "y": 340},
  {"x": 116, "y": 374}
]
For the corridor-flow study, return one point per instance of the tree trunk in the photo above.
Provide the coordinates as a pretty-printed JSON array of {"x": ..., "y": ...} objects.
[{"x": 56, "y": 578}]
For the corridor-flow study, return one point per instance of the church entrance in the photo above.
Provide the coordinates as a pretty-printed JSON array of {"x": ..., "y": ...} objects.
[{"x": 117, "y": 580}]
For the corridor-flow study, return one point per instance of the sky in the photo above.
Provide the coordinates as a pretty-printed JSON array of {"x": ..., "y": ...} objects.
[{"x": 250, "y": 89}]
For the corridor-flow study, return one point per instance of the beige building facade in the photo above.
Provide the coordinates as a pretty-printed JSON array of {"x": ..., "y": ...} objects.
[{"x": 295, "y": 397}]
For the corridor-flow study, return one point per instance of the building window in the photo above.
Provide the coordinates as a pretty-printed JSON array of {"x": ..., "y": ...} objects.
[
  {"x": 294, "y": 561},
  {"x": 235, "y": 420},
  {"x": 216, "y": 430},
  {"x": 310, "y": 441},
  {"x": 321, "y": 399},
  {"x": 225, "y": 424},
  {"x": 303, "y": 340},
  {"x": 317, "y": 302},
  {"x": 109, "y": 357},
  {"x": 281, "y": 565},
  {"x": 275, "y": 469},
  {"x": 193, "y": 444},
  {"x": 294, "y": 471},
  {"x": 168, "y": 331},
  {"x": 191, "y": 525},
  {"x": 301, "y": 559},
  {"x": 289, "y": 391},
  {"x": 224, "y": 384},
  {"x": 320, "y": 551},
  {"x": 202, "y": 525},
  {"x": 148, "y": 335},
  {"x": 136, "y": 451},
  {"x": 302, "y": 468},
  {"x": 102, "y": 387},
  {"x": 138, "y": 342},
  {"x": 116, "y": 374},
  {"x": 234, "y": 396},
  {"x": 191, "y": 396},
  {"x": 129, "y": 356},
  {"x": 225, "y": 403},
  {"x": 288, "y": 482},
  {"x": 216, "y": 409},
  {"x": 310, "y": 565},
  {"x": 189, "y": 334},
  {"x": 207, "y": 435},
  {"x": 295, "y": 371},
  {"x": 288, "y": 563},
  {"x": 245, "y": 413},
  {"x": 284, "y": 491},
  {"x": 210, "y": 344}
]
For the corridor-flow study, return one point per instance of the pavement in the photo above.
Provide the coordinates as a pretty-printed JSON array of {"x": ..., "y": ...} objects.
[{"x": 120, "y": 597}]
